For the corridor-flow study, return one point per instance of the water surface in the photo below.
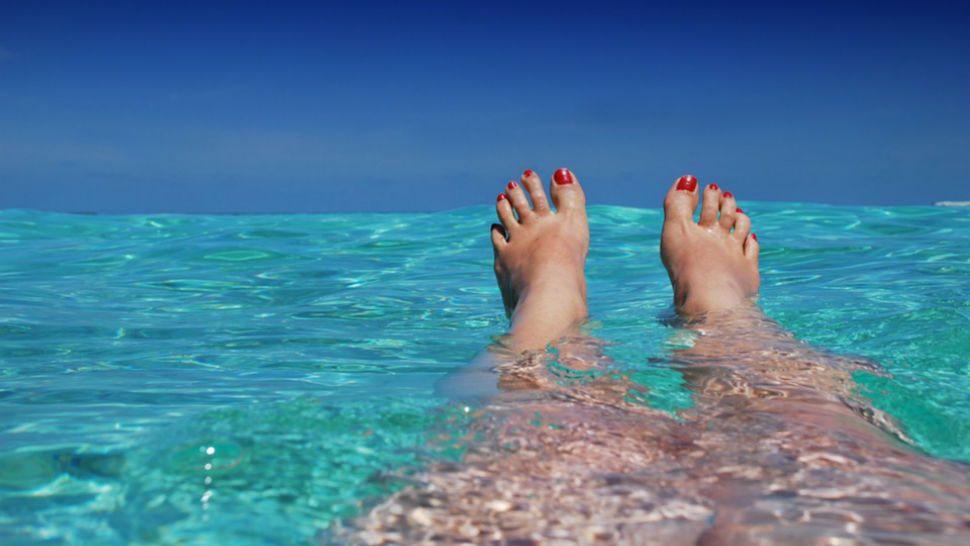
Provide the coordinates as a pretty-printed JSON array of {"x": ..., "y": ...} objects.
[{"x": 251, "y": 379}]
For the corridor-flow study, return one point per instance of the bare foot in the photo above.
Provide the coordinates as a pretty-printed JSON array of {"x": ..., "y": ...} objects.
[
  {"x": 539, "y": 258},
  {"x": 712, "y": 263}
]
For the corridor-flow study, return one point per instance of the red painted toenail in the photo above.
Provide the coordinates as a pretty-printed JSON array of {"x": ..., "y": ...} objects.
[
  {"x": 728, "y": 195},
  {"x": 753, "y": 236},
  {"x": 739, "y": 211},
  {"x": 563, "y": 176},
  {"x": 687, "y": 182},
  {"x": 512, "y": 185},
  {"x": 500, "y": 197},
  {"x": 528, "y": 173},
  {"x": 713, "y": 186}
]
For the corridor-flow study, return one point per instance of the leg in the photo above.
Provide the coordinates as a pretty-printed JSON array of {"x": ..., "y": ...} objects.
[
  {"x": 738, "y": 353},
  {"x": 783, "y": 417},
  {"x": 713, "y": 269}
]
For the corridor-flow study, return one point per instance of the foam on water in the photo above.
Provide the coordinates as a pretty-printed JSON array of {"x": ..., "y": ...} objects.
[{"x": 251, "y": 379}]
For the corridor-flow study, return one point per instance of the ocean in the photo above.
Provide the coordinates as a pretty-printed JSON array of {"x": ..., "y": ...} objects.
[{"x": 265, "y": 379}]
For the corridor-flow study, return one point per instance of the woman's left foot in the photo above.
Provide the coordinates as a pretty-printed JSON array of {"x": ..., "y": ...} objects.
[{"x": 540, "y": 256}]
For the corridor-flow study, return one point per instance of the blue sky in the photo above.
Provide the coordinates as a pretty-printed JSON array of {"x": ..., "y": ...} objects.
[{"x": 233, "y": 107}]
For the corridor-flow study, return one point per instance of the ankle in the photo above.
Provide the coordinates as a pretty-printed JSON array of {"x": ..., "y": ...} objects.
[
  {"x": 546, "y": 313},
  {"x": 706, "y": 298},
  {"x": 565, "y": 294}
]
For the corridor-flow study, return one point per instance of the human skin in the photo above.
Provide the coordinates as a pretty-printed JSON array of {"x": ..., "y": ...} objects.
[
  {"x": 539, "y": 258},
  {"x": 540, "y": 254}
]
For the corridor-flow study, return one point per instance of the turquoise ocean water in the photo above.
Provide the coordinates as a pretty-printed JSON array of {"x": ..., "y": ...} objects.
[{"x": 252, "y": 379}]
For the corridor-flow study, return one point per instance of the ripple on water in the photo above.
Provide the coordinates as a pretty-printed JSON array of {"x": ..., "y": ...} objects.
[{"x": 241, "y": 255}]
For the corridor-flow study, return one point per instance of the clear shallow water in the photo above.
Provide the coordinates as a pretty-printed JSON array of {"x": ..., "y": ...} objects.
[{"x": 296, "y": 355}]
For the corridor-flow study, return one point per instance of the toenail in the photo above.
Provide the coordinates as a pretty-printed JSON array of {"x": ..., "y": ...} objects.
[
  {"x": 687, "y": 182},
  {"x": 500, "y": 197},
  {"x": 528, "y": 173},
  {"x": 713, "y": 186},
  {"x": 739, "y": 211},
  {"x": 512, "y": 184},
  {"x": 728, "y": 195},
  {"x": 563, "y": 176},
  {"x": 753, "y": 236}
]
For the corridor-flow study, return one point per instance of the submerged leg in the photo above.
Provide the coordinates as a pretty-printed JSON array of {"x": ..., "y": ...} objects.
[
  {"x": 737, "y": 350},
  {"x": 778, "y": 421}
]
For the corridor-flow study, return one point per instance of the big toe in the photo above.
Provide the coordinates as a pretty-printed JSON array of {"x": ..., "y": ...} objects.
[
  {"x": 567, "y": 194},
  {"x": 681, "y": 200}
]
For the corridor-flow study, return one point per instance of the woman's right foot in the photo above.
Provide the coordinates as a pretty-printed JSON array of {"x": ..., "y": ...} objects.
[{"x": 712, "y": 263}]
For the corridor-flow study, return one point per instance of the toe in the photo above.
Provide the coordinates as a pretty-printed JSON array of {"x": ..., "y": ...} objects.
[
  {"x": 566, "y": 192},
  {"x": 519, "y": 201},
  {"x": 499, "y": 237},
  {"x": 728, "y": 211},
  {"x": 752, "y": 247},
  {"x": 505, "y": 214},
  {"x": 742, "y": 225},
  {"x": 533, "y": 184},
  {"x": 681, "y": 200},
  {"x": 712, "y": 200}
]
